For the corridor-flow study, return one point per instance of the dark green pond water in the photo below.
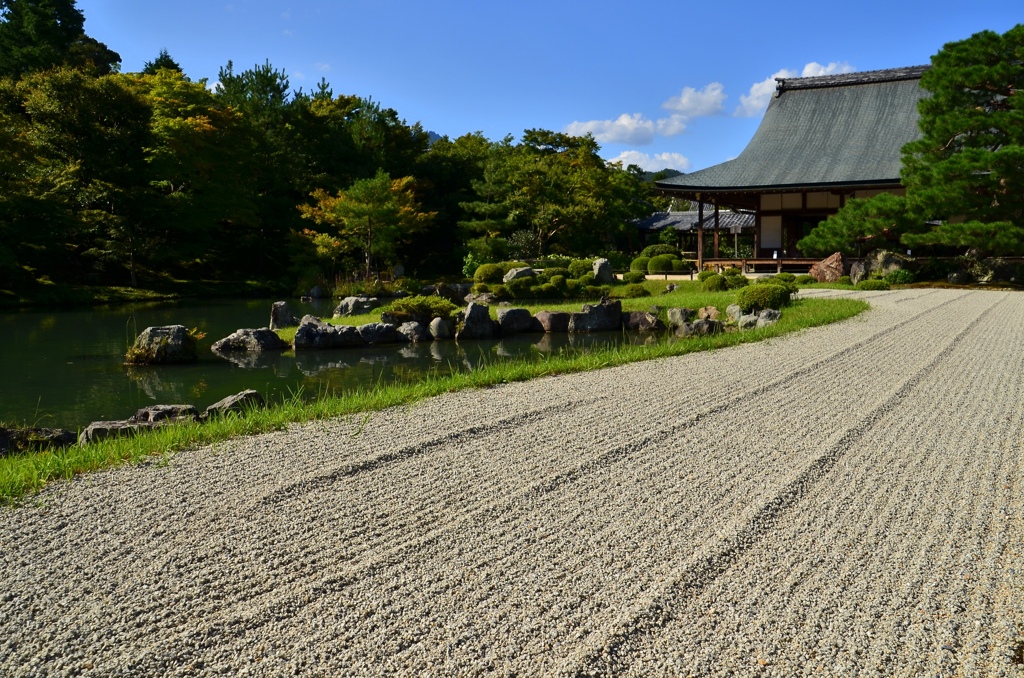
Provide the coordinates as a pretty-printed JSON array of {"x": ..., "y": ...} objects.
[{"x": 64, "y": 368}]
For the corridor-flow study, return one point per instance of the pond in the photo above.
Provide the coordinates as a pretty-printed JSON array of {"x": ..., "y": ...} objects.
[{"x": 64, "y": 368}]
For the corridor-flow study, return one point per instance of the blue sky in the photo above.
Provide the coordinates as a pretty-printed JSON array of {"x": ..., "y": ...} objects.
[{"x": 675, "y": 84}]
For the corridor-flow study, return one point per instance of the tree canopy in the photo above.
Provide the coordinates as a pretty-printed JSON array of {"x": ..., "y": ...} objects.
[{"x": 39, "y": 34}]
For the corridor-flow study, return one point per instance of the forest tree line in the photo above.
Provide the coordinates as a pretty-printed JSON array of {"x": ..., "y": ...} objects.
[{"x": 115, "y": 178}]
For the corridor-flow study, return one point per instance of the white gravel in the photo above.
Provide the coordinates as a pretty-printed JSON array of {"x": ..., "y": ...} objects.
[{"x": 844, "y": 501}]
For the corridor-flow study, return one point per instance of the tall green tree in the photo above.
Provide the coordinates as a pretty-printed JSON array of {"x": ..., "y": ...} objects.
[
  {"x": 39, "y": 34},
  {"x": 967, "y": 170},
  {"x": 162, "y": 60},
  {"x": 372, "y": 216}
]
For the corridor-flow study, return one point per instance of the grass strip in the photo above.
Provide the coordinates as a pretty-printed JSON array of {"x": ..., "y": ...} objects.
[{"x": 23, "y": 474}]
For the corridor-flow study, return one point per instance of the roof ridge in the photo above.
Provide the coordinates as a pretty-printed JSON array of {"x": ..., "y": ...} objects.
[{"x": 857, "y": 78}]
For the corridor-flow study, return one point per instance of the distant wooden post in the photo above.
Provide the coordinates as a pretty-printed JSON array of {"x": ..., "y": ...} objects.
[
  {"x": 717, "y": 255},
  {"x": 700, "y": 234}
]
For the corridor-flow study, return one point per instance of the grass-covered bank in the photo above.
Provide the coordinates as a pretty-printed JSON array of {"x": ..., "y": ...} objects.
[{"x": 27, "y": 473}]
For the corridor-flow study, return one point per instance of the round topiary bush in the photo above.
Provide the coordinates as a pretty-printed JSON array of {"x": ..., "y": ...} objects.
[
  {"x": 579, "y": 267},
  {"x": 557, "y": 270},
  {"x": 759, "y": 297},
  {"x": 425, "y": 308},
  {"x": 785, "y": 277},
  {"x": 715, "y": 283},
  {"x": 639, "y": 264},
  {"x": 873, "y": 285},
  {"x": 572, "y": 287},
  {"x": 655, "y": 250},
  {"x": 732, "y": 270},
  {"x": 844, "y": 280},
  {"x": 805, "y": 279},
  {"x": 634, "y": 277},
  {"x": 900, "y": 276},
  {"x": 661, "y": 263},
  {"x": 509, "y": 265},
  {"x": 587, "y": 278},
  {"x": 633, "y": 291},
  {"x": 489, "y": 273},
  {"x": 520, "y": 287},
  {"x": 480, "y": 288},
  {"x": 704, "y": 275},
  {"x": 736, "y": 281},
  {"x": 558, "y": 281},
  {"x": 682, "y": 265}
]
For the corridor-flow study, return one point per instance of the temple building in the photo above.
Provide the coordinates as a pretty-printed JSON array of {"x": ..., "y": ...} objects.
[{"x": 822, "y": 141}]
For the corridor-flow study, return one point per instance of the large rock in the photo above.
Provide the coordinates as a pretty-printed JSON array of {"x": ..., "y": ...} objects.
[
  {"x": 314, "y": 333},
  {"x": 28, "y": 439},
  {"x": 708, "y": 313},
  {"x": 255, "y": 341},
  {"x": 553, "y": 321},
  {"x": 163, "y": 345},
  {"x": 442, "y": 328},
  {"x": 733, "y": 312},
  {"x": 597, "y": 317},
  {"x": 879, "y": 263},
  {"x": 453, "y": 293},
  {"x": 517, "y": 273},
  {"x": 677, "y": 317},
  {"x": 516, "y": 321},
  {"x": 356, "y": 306},
  {"x": 101, "y": 430},
  {"x": 829, "y": 269},
  {"x": 603, "y": 272},
  {"x": 414, "y": 332},
  {"x": 707, "y": 327},
  {"x": 240, "y": 402},
  {"x": 319, "y": 293},
  {"x": 768, "y": 316},
  {"x": 378, "y": 333},
  {"x": 747, "y": 322},
  {"x": 281, "y": 316},
  {"x": 474, "y": 323},
  {"x": 641, "y": 321},
  {"x": 164, "y": 413}
]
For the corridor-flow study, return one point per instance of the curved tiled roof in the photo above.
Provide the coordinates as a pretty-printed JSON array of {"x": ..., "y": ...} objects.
[{"x": 828, "y": 130}]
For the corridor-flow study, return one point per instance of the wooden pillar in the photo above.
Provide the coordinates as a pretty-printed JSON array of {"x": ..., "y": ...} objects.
[
  {"x": 700, "y": 234},
  {"x": 717, "y": 254}
]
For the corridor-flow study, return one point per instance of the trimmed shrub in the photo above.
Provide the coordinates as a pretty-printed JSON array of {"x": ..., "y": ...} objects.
[
  {"x": 579, "y": 267},
  {"x": 759, "y": 297},
  {"x": 661, "y": 263},
  {"x": 873, "y": 285},
  {"x": 507, "y": 266},
  {"x": 776, "y": 281},
  {"x": 655, "y": 250},
  {"x": 634, "y": 277},
  {"x": 520, "y": 288},
  {"x": 558, "y": 281},
  {"x": 553, "y": 262},
  {"x": 704, "y": 275},
  {"x": 633, "y": 291},
  {"x": 480, "y": 288},
  {"x": 595, "y": 292},
  {"x": 556, "y": 270},
  {"x": 785, "y": 277},
  {"x": 732, "y": 270},
  {"x": 587, "y": 278},
  {"x": 805, "y": 279},
  {"x": 736, "y": 281},
  {"x": 500, "y": 292},
  {"x": 844, "y": 280},
  {"x": 682, "y": 265},
  {"x": 715, "y": 283},
  {"x": 547, "y": 291},
  {"x": 425, "y": 308},
  {"x": 639, "y": 264},
  {"x": 572, "y": 287},
  {"x": 900, "y": 276},
  {"x": 489, "y": 273}
]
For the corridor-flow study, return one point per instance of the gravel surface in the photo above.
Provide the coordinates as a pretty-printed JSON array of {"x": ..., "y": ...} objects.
[{"x": 842, "y": 501}]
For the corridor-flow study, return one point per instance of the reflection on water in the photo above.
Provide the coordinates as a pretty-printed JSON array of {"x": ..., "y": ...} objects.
[{"x": 65, "y": 368}]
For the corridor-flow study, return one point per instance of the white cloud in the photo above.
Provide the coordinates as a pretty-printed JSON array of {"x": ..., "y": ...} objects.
[
  {"x": 672, "y": 125},
  {"x": 655, "y": 162},
  {"x": 692, "y": 103},
  {"x": 814, "y": 68},
  {"x": 323, "y": 68},
  {"x": 756, "y": 100},
  {"x": 626, "y": 129}
]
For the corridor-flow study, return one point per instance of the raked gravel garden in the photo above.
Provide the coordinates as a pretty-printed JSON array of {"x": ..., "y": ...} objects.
[{"x": 845, "y": 501}]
